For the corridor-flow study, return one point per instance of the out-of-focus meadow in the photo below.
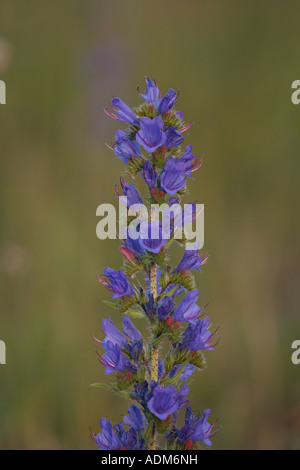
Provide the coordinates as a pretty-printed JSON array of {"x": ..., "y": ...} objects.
[{"x": 233, "y": 63}]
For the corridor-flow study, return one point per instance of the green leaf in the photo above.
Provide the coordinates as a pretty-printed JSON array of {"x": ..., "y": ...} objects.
[
  {"x": 169, "y": 293},
  {"x": 135, "y": 313},
  {"x": 184, "y": 278},
  {"x": 109, "y": 387},
  {"x": 159, "y": 339},
  {"x": 148, "y": 435},
  {"x": 110, "y": 304},
  {"x": 174, "y": 379}
]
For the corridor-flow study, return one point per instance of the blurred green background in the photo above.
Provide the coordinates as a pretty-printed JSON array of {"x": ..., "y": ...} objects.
[{"x": 234, "y": 63}]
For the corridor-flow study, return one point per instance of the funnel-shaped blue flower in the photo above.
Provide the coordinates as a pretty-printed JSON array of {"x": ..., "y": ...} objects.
[
  {"x": 123, "y": 113},
  {"x": 151, "y": 135},
  {"x": 149, "y": 175},
  {"x": 151, "y": 94},
  {"x": 125, "y": 148},
  {"x": 112, "y": 334},
  {"x": 107, "y": 439},
  {"x": 116, "y": 282},
  {"x": 152, "y": 237},
  {"x": 173, "y": 138},
  {"x": 188, "y": 310},
  {"x": 172, "y": 177},
  {"x": 167, "y": 102},
  {"x": 197, "y": 336},
  {"x": 195, "y": 428},
  {"x": 114, "y": 360},
  {"x": 165, "y": 401},
  {"x": 191, "y": 260}
]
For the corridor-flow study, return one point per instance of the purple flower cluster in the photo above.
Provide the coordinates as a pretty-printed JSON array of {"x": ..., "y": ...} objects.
[{"x": 166, "y": 296}]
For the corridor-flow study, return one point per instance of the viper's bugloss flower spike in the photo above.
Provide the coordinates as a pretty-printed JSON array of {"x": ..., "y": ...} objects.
[{"x": 149, "y": 286}]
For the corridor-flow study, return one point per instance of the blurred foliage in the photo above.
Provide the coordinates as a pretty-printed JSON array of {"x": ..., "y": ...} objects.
[{"x": 234, "y": 63}]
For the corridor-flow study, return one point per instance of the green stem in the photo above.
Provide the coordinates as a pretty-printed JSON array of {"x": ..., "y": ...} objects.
[{"x": 154, "y": 351}]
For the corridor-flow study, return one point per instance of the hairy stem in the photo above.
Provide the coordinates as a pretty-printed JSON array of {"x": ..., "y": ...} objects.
[{"x": 154, "y": 352}]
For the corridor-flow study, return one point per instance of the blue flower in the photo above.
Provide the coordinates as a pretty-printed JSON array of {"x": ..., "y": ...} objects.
[
  {"x": 152, "y": 237},
  {"x": 150, "y": 307},
  {"x": 151, "y": 135},
  {"x": 116, "y": 282},
  {"x": 130, "y": 330},
  {"x": 131, "y": 194},
  {"x": 176, "y": 292},
  {"x": 107, "y": 439},
  {"x": 112, "y": 334},
  {"x": 135, "y": 350},
  {"x": 188, "y": 310},
  {"x": 135, "y": 418},
  {"x": 167, "y": 102},
  {"x": 173, "y": 138},
  {"x": 114, "y": 360},
  {"x": 125, "y": 148},
  {"x": 135, "y": 422},
  {"x": 186, "y": 373},
  {"x": 190, "y": 260},
  {"x": 149, "y": 175},
  {"x": 195, "y": 429},
  {"x": 131, "y": 335},
  {"x": 151, "y": 94},
  {"x": 197, "y": 336},
  {"x": 133, "y": 245},
  {"x": 141, "y": 393},
  {"x": 188, "y": 158},
  {"x": 172, "y": 177},
  {"x": 165, "y": 308},
  {"x": 123, "y": 113},
  {"x": 165, "y": 401},
  {"x": 186, "y": 216}
]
